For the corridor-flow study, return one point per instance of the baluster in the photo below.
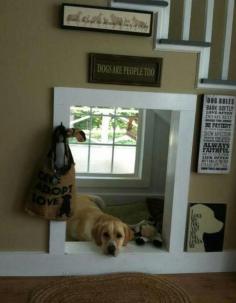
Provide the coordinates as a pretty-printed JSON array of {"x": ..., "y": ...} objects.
[
  {"x": 205, "y": 56},
  {"x": 209, "y": 20},
  {"x": 229, "y": 16},
  {"x": 186, "y": 19}
]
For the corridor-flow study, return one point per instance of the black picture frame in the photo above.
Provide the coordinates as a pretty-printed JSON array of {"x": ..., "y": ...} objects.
[
  {"x": 124, "y": 70},
  {"x": 104, "y": 19}
]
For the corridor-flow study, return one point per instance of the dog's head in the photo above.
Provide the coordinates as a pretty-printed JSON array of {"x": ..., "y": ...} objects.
[{"x": 111, "y": 234}]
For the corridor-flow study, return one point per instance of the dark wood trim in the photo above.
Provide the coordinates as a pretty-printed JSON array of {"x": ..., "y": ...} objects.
[
  {"x": 219, "y": 82},
  {"x": 144, "y": 2},
  {"x": 185, "y": 42}
]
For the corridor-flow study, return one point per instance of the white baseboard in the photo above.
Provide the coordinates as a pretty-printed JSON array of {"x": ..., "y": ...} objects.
[{"x": 146, "y": 259}]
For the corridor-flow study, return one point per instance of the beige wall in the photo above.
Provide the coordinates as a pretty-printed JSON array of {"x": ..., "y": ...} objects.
[{"x": 35, "y": 56}]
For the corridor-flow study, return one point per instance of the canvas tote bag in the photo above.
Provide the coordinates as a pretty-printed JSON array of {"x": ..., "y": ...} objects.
[{"x": 53, "y": 191}]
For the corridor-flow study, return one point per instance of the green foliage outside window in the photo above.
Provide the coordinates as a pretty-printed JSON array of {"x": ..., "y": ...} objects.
[{"x": 122, "y": 126}]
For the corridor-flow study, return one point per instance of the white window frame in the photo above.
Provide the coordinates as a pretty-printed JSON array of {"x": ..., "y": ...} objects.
[
  {"x": 138, "y": 153},
  {"x": 63, "y": 100}
]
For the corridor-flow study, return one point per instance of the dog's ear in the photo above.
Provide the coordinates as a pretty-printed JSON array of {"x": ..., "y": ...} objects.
[
  {"x": 129, "y": 234},
  {"x": 97, "y": 233}
]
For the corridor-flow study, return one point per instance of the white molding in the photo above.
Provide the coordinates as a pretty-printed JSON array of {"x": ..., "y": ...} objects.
[
  {"x": 203, "y": 65},
  {"x": 145, "y": 259},
  {"x": 170, "y": 183},
  {"x": 64, "y": 96},
  {"x": 177, "y": 179},
  {"x": 184, "y": 106},
  {"x": 57, "y": 230}
]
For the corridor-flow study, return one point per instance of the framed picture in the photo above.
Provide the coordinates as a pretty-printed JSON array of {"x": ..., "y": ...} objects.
[
  {"x": 206, "y": 225},
  {"x": 125, "y": 70},
  {"x": 217, "y": 132},
  {"x": 104, "y": 19}
]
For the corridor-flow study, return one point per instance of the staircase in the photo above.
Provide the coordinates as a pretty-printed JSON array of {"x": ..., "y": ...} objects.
[{"x": 162, "y": 38}]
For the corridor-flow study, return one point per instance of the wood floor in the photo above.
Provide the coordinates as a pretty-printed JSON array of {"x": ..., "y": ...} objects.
[{"x": 202, "y": 288}]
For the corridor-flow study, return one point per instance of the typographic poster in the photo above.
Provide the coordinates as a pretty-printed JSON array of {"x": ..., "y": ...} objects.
[{"x": 216, "y": 139}]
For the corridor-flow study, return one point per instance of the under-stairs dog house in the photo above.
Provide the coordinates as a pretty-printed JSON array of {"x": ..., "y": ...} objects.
[{"x": 172, "y": 258}]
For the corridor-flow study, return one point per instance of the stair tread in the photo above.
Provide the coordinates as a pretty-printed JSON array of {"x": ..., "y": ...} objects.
[
  {"x": 185, "y": 42},
  {"x": 218, "y": 81},
  {"x": 144, "y": 2}
]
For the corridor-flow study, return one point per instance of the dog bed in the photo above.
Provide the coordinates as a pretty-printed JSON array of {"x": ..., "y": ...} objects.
[{"x": 131, "y": 213}]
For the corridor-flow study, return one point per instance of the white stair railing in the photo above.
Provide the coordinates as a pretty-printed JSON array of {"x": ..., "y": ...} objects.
[{"x": 203, "y": 48}]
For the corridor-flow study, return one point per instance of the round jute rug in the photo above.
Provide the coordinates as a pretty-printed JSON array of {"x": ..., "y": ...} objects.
[{"x": 110, "y": 288}]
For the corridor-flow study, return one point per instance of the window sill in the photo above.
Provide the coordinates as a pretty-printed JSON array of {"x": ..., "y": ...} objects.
[
  {"x": 115, "y": 182},
  {"x": 75, "y": 248}
]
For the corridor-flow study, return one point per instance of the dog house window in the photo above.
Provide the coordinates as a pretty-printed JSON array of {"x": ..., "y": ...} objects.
[
  {"x": 113, "y": 140},
  {"x": 182, "y": 113}
]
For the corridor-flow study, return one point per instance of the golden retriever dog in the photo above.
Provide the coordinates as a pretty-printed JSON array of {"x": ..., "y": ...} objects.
[{"x": 89, "y": 222}]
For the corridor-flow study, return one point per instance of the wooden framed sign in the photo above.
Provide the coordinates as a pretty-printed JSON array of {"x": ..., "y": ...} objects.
[
  {"x": 129, "y": 70},
  {"x": 217, "y": 130},
  {"x": 104, "y": 19}
]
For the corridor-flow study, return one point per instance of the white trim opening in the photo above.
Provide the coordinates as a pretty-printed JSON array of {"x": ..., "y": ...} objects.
[{"x": 182, "y": 108}]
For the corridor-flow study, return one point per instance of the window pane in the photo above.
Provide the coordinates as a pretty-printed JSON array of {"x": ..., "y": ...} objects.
[
  {"x": 80, "y": 118},
  {"x": 105, "y": 126},
  {"x": 80, "y": 155},
  {"x": 126, "y": 130},
  {"x": 79, "y": 110},
  {"x": 103, "y": 111},
  {"x": 100, "y": 159},
  {"x": 102, "y": 130},
  {"x": 126, "y": 111},
  {"x": 124, "y": 160}
]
